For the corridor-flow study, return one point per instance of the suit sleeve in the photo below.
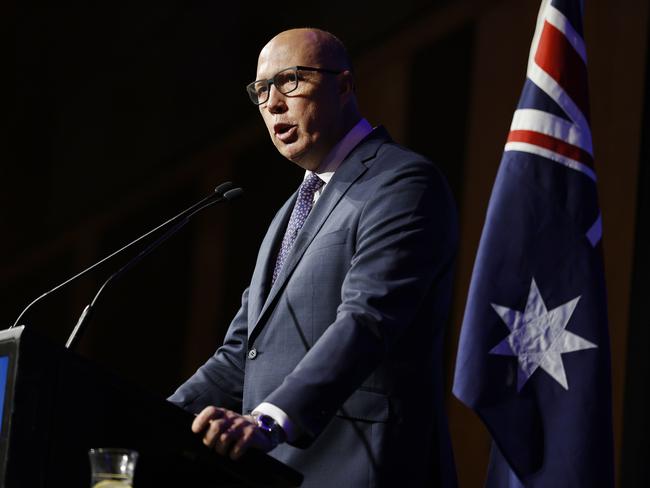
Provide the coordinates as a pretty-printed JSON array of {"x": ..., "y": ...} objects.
[
  {"x": 220, "y": 380},
  {"x": 406, "y": 241}
]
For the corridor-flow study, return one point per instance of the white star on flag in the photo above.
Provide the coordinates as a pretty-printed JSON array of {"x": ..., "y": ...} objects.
[{"x": 538, "y": 337}]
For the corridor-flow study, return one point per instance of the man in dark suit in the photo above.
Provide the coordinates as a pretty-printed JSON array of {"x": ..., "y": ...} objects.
[{"x": 334, "y": 361}]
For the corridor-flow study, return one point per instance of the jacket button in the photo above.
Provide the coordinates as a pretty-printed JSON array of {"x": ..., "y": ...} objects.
[{"x": 252, "y": 354}]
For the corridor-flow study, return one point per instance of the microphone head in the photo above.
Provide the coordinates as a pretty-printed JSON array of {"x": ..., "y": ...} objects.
[
  {"x": 223, "y": 188},
  {"x": 233, "y": 194}
]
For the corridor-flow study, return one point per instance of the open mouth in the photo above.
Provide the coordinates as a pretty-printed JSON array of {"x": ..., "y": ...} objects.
[{"x": 285, "y": 132}]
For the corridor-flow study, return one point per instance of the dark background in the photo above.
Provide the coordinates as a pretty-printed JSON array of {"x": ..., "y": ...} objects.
[{"x": 126, "y": 114}]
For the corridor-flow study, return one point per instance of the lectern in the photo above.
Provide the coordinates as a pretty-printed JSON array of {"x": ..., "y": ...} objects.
[{"x": 55, "y": 405}]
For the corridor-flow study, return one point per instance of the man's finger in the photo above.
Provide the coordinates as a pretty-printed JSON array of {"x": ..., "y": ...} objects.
[
  {"x": 230, "y": 435},
  {"x": 214, "y": 430},
  {"x": 202, "y": 420}
]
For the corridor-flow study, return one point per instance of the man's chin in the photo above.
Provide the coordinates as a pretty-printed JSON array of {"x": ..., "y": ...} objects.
[
  {"x": 294, "y": 155},
  {"x": 304, "y": 162},
  {"x": 297, "y": 155}
]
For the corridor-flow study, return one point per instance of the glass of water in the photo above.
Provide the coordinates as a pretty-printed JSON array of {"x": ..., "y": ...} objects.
[{"x": 112, "y": 467}]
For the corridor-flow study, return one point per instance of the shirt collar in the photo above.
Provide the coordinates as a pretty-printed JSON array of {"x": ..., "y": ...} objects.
[{"x": 341, "y": 150}]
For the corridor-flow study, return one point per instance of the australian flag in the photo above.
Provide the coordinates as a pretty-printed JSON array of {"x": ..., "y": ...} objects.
[{"x": 533, "y": 359}]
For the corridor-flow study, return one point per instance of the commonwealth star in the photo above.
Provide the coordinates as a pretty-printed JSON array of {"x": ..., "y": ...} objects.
[{"x": 538, "y": 337}]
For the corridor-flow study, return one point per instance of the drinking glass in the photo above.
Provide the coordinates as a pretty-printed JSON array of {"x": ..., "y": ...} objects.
[{"x": 112, "y": 467}]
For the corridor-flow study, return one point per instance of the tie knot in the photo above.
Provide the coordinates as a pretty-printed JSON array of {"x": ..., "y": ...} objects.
[{"x": 311, "y": 184}]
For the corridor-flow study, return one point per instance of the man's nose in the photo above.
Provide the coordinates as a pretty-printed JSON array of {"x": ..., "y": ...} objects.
[{"x": 276, "y": 102}]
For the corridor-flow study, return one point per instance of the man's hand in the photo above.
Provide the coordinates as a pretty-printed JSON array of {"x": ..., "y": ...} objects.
[{"x": 230, "y": 433}]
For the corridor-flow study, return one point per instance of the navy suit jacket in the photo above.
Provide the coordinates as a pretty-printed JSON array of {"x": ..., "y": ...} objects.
[{"x": 349, "y": 339}]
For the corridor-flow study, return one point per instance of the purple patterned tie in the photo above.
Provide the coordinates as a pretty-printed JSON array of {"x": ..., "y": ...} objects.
[{"x": 301, "y": 209}]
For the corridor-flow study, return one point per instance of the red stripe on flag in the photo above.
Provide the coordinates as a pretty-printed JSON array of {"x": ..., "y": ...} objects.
[
  {"x": 553, "y": 144},
  {"x": 556, "y": 56}
]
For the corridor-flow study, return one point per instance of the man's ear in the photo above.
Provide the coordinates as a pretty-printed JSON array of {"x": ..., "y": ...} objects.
[{"x": 346, "y": 85}]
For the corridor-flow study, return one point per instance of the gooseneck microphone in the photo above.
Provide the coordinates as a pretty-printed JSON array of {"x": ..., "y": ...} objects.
[
  {"x": 182, "y": 220},
  {"x": 223, "y": 192}
]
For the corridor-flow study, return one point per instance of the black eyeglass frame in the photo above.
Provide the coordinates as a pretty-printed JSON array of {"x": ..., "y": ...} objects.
[{"x": 250, "y": 88}]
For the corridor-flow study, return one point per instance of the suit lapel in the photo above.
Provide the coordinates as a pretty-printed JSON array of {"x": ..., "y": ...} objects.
[
  {"x": 261, "y": 280},
  {"x": 349, "y": 171}
]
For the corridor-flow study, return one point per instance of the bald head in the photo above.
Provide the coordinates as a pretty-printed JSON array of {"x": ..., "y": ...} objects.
[{"x": 324, "y": 46}]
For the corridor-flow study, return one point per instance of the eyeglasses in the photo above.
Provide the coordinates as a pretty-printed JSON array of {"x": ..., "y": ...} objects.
[{"x": 285, "y": 81}]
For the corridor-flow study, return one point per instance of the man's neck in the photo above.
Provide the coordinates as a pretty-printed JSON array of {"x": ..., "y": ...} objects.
[{"x": 341, "y": 150}]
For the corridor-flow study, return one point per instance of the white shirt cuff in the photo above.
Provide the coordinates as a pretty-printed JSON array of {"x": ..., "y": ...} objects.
[{"x": 277, "y": 414}]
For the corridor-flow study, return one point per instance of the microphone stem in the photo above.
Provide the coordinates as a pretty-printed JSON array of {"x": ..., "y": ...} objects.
[
  {"x": 190, "y": 210},
  {"x": 85, "y": 315}
]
